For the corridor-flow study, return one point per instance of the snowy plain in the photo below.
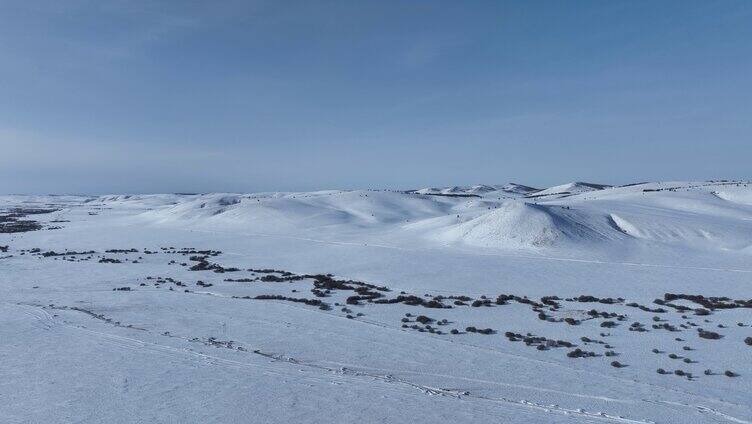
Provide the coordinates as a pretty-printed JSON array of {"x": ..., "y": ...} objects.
[{"x": 340, "y": 306}]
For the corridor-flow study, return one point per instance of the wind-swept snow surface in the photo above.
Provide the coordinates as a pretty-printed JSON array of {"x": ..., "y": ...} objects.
[{"x": 494, "y": 303}]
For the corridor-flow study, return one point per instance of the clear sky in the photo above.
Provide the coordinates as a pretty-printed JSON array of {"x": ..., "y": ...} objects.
[{"x": 167, "y": 96}]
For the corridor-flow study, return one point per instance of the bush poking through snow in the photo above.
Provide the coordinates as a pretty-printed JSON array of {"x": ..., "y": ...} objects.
[
  {"x": 579, "y": 353},
  {"x": 710, "y": 335},
  {"x": 423, "y": 319},
  {"x": 479, "y": 330}
]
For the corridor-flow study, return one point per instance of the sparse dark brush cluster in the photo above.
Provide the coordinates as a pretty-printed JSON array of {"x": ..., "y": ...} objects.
[
  {"x": 480, "y": 330},
  {"x": 710, "y": 335},
  {"x": 271, "y": 278},
  {"x": 413, "y": 300},
  {"x": 52, "y": 253},
  {"x": 637, "y": 326},
  {"x": 709, "y": 303},
  {"x": 204, "y": 265},
  {"x": 665, "y": 326},
  {"x": 579, "y": 353},
  {"x": 680, "y": 373},
  {"x": 423, "y": 319},
  {"x": 588, "y": 298},
  {"x": 11, "y": 222},
  {"x": 110, "y": 261},
  {"x": 190, "y": 251},
  {"x": 540, "y": 342},
  {"x": 646, "y": 309},
  {"x": 310, "y": 302},
  {"x": 325, "y": 284}
]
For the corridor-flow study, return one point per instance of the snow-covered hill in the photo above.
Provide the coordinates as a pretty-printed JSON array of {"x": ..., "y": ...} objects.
[
  {"x": 681, "y": 215},
  {"x": 568, "y": 189},
  {"x": 504, "y": 190},
  {"x": 522, "y": 225}
]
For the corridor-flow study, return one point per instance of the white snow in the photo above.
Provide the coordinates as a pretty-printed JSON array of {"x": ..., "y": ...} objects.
[
  {"x": 569, "y": 189},
  {"x": 485, "y": 190},
  {"x": 74, "y": 350}
]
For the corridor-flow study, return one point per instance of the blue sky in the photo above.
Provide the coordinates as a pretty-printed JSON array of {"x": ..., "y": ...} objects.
[{"x": 130, "y": 96}]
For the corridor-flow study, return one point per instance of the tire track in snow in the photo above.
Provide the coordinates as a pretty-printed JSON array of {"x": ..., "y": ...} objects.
[
  {"x": 543, "y": 362},
  {"x": 622, "y": 380},
  {"x": 128, "y": 343},
  {"x": 702, "y": 409},
  {"x": 457, "y": 393}
]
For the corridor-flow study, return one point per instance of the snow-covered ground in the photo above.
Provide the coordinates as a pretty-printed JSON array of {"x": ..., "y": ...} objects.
[{"x": 342, "y": 306}]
